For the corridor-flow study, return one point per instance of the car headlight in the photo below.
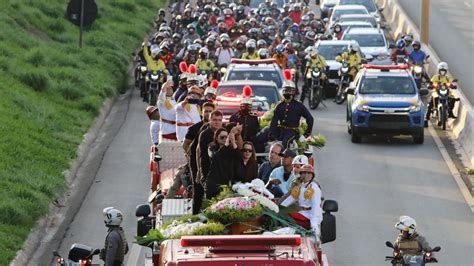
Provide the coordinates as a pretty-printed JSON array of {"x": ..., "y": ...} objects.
[
  {"x": 415, "y": 108},
  {"x": 363, "y": 108}
]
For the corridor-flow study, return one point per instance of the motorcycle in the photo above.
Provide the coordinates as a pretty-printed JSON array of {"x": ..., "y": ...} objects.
[
  {"x": 400, "y": 60},
  {"x": 441, "y": 112},
  {"x": 142, "y": 72},
  {"x": 345, "y": 74},
  {"x": 314, "y": 88},
  {"x": 154, "y": 79},
  {"x": 78, "y": 255},
  {"x": 411, "y": 259},
  {"x": 417, "y": 71}
]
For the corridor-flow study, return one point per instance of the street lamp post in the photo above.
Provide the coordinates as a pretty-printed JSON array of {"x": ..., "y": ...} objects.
[{"x": 425, "y": 21}]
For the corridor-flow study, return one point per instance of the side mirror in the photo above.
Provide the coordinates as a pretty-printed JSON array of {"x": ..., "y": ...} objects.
[
  {"x": 330, "y": 206},
  {"x": 389, "y": 244},
  {"x": 424, "y": 92},
  {"x": 96, "y": 252},
  {"x": 350, "y": 90},
  {"x": 391, "y": 45},
  {"x": 326, "y": 20},
  {"x": 143, "y": 210},
  {"x": 381, "y": 9},
  {"x": 55, "y": 253},
  {"x": 382, "y": 26},
  {"x": 436, "y": 249},
  {"x": 455, "y": 80}
]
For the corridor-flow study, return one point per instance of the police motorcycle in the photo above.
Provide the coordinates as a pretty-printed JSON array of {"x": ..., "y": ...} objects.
[
  {"x": 154, "y": 79},
  {"x": 398, "y": 258},
  {"x": 441, "y": 112},
  {"x": 417, "y": 71},
  {"x": 345, "y": 74},
  {"x": 314, "y": 88},
  {"x": 78, "y": 255},
  {"x": 142, "y": 71}
]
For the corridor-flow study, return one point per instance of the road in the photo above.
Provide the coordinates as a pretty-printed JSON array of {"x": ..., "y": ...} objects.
[
  {"x": 451, "y": 36},
  {"x": 374, "y": 182}
]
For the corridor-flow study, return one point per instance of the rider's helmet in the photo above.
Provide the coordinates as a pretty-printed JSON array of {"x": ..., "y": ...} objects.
[
  {"x": 269, "y": 21},
  {"x": 161, "y": 12},
  {"x": 295, "y": 28},
  {"x": 406, "y": 225},
  {"x": 250, "y": 45},
  {"x": 300, "y": 159},
  {"x": 261, "y": 44},
  {"x": 296, "y": 7},
  {"x": 222, "y": 5},
  {"x": 155, "y": 52},
  {"x": 352, "y": 48},
  {"x": 240, "y": 10},
  {"x": 204, "y": 51},
  {"x": 280, "y": 48},
  {"x": 408, "y": 38},
  {"x": 310, "y": 35},
  {"x": 305, "y": 20},
  {"x": 286, "y": 7},
  {"x": 187, "y": 12},
  {"x": 289, "y": 47},
  {"x": 190, "y": 28},
  {"x": 208, "y": 9},
  {"x": 177, "y": 38},
  {"x": 228, "y": 12},
  {"x": 311, "y": 15},
  {"x": 263, "y": 53},
  {"x": 288, "y": 34},
  {"x": 401, "y": 44},
  {"x": 233, "y": 7},
  {"x": 222, "y": 27},
  {"x": 443, "y": 68},
  {"x": 113, "y": 217},
  {"x": 416, "y": 45},
  {"x": 216, "y": 11}
]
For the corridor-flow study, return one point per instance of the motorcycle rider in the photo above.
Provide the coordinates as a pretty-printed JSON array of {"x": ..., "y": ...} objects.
[
  {"x": 191, "y": 33},
  {"x": 286, "y": 119},
  {"x": 409, "y": 241},
  {"x": 337, "y": 32},
  {"x": 280, "y": 56},
  {"x": 441, "y": 78},
  {"x": 225, "y": 53},
  {"x": 352, "y": 57},
  {"x": 154, "y": 62},
  {"x": 315, "y": 61},
  {"x": 399, "y": 51},
  {"x": 418, "y": 57},
  {"x": 251, "y": 50},
  {"x": 204, "y": 64},
  {"x": 115, "y": 246}
]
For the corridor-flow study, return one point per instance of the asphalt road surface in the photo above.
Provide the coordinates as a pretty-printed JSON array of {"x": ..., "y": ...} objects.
[
  {"x": 451, "y": 35},
  {"x": 374, "y": 182}
]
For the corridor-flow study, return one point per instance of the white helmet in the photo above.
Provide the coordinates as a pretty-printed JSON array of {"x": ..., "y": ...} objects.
[
  {"x": 352, "y": 47},
  {"x": 113, "y": 217},
  {"x": 406, "y": 223},
  {"x": 263, "y": 53},
  {"x": 204, "y": 50},
  {"x": 312, "y": 51},
  {"x": 251, "y": 44},
  {"x": 155, "y": 52},
  {"x": 443, "y": 66},
  {"x": 300, "y": 159}
]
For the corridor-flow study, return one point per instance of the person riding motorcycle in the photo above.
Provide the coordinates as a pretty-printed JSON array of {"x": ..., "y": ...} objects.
[
  {"x": 352, "y": 57},
  {"x": 263, "y": 53},
  {"x": 153, "y": 60},
  {"x": 337, "y": 32},
  {"x": 115, "y": 246},
  {"x": 280, "y": 56},
  {"x": 409, "y": 241},
  {"x": 204, "y": 64},
  {"x": 191, "y": 33},
  {"x": 441, "y": 78},
  {"x": 315, "y": 61},
  {"x": 251, "y": 52},
  {"x": 400, "y": 51}
]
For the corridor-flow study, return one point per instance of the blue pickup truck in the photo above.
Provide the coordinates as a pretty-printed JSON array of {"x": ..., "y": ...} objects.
[{"x": 384, "y": 100}]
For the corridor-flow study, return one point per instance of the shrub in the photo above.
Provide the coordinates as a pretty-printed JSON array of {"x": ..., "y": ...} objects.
[
  {"x": 38, "y": 80},
  {"x": 69, "y": 91},
  {"x": 36, "y": 58}
]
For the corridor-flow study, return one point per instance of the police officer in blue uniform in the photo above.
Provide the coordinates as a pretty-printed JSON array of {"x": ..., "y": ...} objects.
[{"x": 286, "y": 119}]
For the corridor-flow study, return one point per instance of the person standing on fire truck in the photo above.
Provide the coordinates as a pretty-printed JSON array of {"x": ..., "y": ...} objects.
[
  {"x": 245, "y": 117},
  {"x": 166, "y": 105},
  {"x": 188, "y": 112}
]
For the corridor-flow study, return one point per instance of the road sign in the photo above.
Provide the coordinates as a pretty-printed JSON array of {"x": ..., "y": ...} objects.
[{"x": 74, "y": 12}]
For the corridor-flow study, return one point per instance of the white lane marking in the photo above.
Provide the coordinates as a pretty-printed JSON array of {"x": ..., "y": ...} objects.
[
  {"x": 452, "y": 168},
  {"x": 467, "y": 4},
  {"x": 325, "y": 260},
  {"x": 134, "y": 255}
]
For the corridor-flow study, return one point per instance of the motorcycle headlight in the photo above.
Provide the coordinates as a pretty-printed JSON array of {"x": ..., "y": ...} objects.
[
  {"x": 443, "y": 92},
  {"x": 293, "y": 71},
  {"x": 363, "y": 108},
  {"x": 143, "y": 68},
  {"x": 415, "y": 108},
  {"x": 344, "y": 69},
  {"x": 154, "y": 76},
  {"x": 316, "y": 73},
  {"x": 308, "y": 76},
  {"x": 417, "y": 69}
]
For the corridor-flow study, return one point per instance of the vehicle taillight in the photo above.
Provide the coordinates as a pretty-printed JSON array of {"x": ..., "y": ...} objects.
[
  {"x": 428, "y": 254},
  {"x": 395, "y": 253}
]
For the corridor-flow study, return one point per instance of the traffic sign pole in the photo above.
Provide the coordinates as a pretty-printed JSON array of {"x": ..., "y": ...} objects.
[{"x": 82, "y": 23}]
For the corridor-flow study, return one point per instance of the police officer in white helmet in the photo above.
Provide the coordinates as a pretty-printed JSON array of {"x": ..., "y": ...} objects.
[{"x": 116, "y": 246}]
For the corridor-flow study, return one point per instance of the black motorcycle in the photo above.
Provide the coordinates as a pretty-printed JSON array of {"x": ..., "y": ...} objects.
[
  {"x": 78, "y": 255},
  {"x": 313, "y": 87},
  {"x": 440, "y": 110},
  {"x": 411, "y": 259},
  {"x": 344, "y": 73},
  {"x": 155, "y": 79},
  {"x": 142, "y": 70}
]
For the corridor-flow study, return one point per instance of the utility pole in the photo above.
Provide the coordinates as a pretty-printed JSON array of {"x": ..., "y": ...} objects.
[{"x": 425, "y": 21}]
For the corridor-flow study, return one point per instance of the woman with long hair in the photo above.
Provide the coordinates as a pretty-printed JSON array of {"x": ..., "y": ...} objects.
[{"x": 246, "y": 168}]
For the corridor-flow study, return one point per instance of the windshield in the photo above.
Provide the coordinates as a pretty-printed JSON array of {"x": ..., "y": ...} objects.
[
  {"x": 256, "y": 75},
  {"x": 337, "y": 13},
  {"x": 270, "y": 93},
  {"x": 386, "y": 85},
  {"x": 371, "y": 20},
  {"x": 255, "y": 3},
  {"x": 366, "y": 40},
  {"x": 329, "y": 52},
  {"x": 369, "y": 4},
  {"x": 345, "y": 26}
]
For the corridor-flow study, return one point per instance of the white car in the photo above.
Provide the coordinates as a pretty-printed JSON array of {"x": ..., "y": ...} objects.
[
  {"x": 372, "y": 42},
  {"x": 329, "y": 49},
  {"x": 326, "y": 7},
  {"x": 356, "y": 17},
  {"x": 368, "y": 4},
  {"x": 351, "y": 24},
  {"x": 338, "y": 11}
]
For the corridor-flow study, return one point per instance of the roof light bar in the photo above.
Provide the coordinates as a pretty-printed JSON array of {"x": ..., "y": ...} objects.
[
  {"x": 242, "y": 240},
  {"x": 253, "y": 61},
  {"x": 385, "y": 67}
]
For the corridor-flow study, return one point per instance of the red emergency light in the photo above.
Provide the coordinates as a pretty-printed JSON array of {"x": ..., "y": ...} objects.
[
  {"x": 385, "y": 67},
  {"x": 253, "y": 61},
  {"x": 240, "y": 240}
]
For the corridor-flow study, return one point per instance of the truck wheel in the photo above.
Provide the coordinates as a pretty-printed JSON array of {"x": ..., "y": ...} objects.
[{"x": 355, "y": 138}]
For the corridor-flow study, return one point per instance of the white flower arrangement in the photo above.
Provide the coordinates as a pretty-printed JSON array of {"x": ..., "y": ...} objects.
[{"x": 257, "y": 191}]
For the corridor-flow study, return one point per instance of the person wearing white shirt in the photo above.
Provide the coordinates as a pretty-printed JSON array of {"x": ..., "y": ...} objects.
[
  {"x": 166, "y": 105},
  {"x": 307, "y": 195},
  {"x": 188, "y": 112},
  {"x": 155, "y": 124}
]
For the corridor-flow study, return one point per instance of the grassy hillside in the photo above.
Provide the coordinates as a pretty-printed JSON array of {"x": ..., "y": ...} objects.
[{"x": 50, "y": 92}]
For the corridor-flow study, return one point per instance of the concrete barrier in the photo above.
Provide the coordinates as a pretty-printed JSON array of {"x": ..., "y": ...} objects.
[{"x": 463, "y": 126}]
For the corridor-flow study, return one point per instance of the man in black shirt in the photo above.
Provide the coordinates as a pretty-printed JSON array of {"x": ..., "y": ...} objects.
[{"x": 202, "y": 154}]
